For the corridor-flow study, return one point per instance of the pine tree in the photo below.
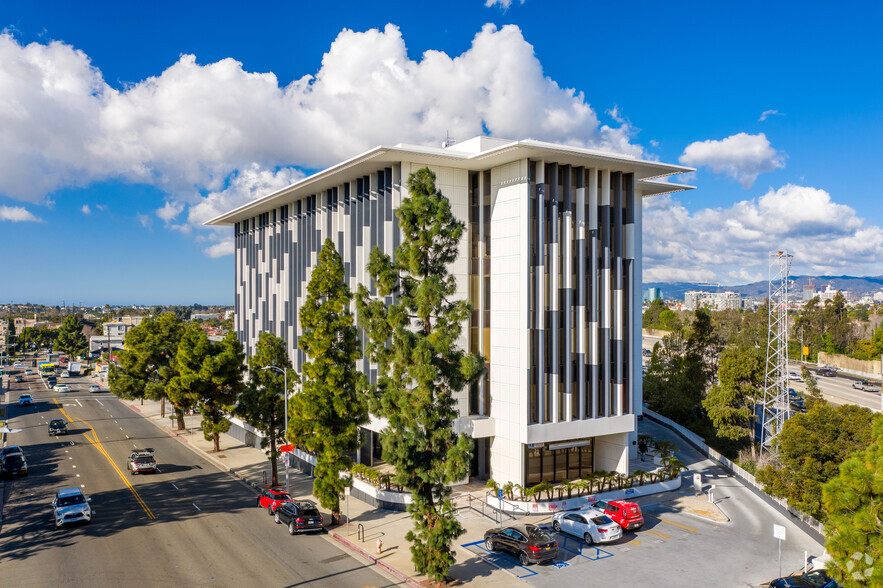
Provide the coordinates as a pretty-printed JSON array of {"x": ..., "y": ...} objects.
[
  {"x": 262, "y": 403},
  {"x": 853, "y": 502},
  {"x": 325, "y": 416},
  {"x": 412, "y": 337},
  {"x": 71, "y": 339},
  {"x": 211, "y": 374},
  {"x": 729, "y": 403}
]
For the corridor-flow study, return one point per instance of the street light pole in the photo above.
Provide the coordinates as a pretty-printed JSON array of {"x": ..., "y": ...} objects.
[{"x": 285, "y": 393}]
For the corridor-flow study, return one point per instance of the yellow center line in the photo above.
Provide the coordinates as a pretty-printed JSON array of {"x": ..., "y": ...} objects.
[{"x": 97, "y": 444}]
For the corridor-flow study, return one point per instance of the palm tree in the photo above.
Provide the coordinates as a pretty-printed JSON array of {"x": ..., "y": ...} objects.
[
  {"x": 675, "y": 467},
  {"x": 665, "y": 448},
  {"x": 508, "y": 488},
  {"x": 640, "y": 475}
]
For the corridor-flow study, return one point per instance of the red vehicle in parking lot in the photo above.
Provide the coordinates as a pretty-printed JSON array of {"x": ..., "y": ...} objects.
[
  {"x": 626, "y": 514},
  {"x": 271, "y": 498}
]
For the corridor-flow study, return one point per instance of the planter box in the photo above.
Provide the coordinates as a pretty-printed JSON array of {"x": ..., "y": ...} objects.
[{"x": 517, "y": 507}]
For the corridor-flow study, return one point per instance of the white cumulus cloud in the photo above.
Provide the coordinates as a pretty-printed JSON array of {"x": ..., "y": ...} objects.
[
  {"x": 17, "y": 214},
  {"x": 731, "y": 245},
  {"x": 170, "y": 210},
  {"x": 221, "y": 249},
  {"x": 741, "y": 156},
  {"x": 503, "y": 4},
  {"x": 86, "y": 210}
]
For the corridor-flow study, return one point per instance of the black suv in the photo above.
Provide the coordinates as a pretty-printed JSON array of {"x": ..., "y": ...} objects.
[
  {"x": 57, "y": 427},
  {"x": 301, "y": 517}
]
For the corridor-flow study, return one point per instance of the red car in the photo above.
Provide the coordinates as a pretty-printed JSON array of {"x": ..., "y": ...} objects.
[
  {"x": 271, "y": 498},
  {"x": 626, "y": 514}
]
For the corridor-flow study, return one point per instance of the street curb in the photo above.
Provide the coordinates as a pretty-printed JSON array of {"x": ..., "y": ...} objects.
[{"x": 395, "y": 572}]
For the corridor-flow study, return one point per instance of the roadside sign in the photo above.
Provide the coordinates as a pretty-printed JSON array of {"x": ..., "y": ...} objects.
[
  {"x": 779, "y": 532},
  {"x": 346, "y": 491},
  {"x": 500, "y": 494},
  {"x": 286, "y": 448}
]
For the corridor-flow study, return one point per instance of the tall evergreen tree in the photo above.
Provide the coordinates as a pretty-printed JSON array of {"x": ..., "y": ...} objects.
[
  {"x": 730, "y": 403},
  {"x": 325, "y": 416},
  {"x": 412, "y": 328},
  {"x": 853, "y": 502},
  {"x": 262, "y": 403},
  {"x": 211, "y": 374},
  {"x": 146, "y": 365},
  {"x": 71, "y": 339}
]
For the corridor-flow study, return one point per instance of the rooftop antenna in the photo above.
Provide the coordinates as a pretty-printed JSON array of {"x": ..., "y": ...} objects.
[
  {"x": 776, "y": 409},
  {"x": 449, "y": 140}
]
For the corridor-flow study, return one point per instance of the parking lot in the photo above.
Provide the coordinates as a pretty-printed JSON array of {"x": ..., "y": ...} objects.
[{"x": 674, "y": 548}]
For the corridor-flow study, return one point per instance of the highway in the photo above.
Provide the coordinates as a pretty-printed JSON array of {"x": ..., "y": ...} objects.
[{"x": 190, "y": 524}]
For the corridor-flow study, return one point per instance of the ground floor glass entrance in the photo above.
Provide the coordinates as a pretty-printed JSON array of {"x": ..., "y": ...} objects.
[{"x": 556, "y": 462}]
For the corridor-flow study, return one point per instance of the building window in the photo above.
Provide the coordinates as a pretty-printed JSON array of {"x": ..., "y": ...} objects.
[{"x": 556, "y": 462}]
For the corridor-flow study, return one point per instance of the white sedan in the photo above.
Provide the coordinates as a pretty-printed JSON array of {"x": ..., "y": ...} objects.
[
  {"x": 94, "y": 388},
  {"x": 25, "y": 400},
  {"x": 62, "y": 388},
  {"x": 591, "y": 524},
  {"x": 795, "y": 376}
]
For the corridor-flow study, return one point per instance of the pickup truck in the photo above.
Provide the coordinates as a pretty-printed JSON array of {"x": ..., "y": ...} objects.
[{"x": 866, "y": 386}]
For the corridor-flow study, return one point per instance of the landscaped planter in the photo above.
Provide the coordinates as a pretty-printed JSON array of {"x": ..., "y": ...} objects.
[
  {"x": 378, "y": 498},
  {"x": 545, "y": 507}
]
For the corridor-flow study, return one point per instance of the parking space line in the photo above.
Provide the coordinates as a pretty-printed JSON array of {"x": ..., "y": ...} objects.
[
  {"x": 490, "y": 556},
  {"x": 679, "y": 525},
  {"x": 657, "y": 533},
  {"x": 597, "y": 555}
]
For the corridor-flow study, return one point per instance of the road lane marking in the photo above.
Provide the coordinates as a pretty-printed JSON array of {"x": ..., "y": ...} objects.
[
  {"x": 96, "y": 443},
  {"x": 175, "y": 487},
  {"x": 98, "y": 401},
  {"x": 78, "y": 402},
  {"x": 657, "y": 533},
  {"x": 196, "y": 507}
]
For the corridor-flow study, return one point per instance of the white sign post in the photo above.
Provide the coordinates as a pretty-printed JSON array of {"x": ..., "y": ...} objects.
[
  {"x": 779, "y": 533},
  {"x": 697, "y": 483},
  {"x": 346, "y": 492}
]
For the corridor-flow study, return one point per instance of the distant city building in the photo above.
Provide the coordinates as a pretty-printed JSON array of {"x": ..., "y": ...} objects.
[
  {"x": 652, "y": 294},
  {"x": 828, "y": 292},
  {"x": 696, "y": 299},
  {"x": 878, "y": 296},
  {"x": 204, "y": 316},
  {"x": 808, "y": 292}
]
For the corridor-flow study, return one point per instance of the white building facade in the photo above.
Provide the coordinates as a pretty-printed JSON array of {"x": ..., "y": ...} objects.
[{"x": 550, "y": 262}]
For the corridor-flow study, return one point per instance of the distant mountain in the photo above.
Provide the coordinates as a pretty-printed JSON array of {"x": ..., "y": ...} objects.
[{"x": 855, "y": 285}]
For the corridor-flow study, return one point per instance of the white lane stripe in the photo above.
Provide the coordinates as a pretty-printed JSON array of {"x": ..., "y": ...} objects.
[
  {"x": 175, "y": 487},
  {"x": 196, "y": 507},
  {"x": 78, "y": 402}
]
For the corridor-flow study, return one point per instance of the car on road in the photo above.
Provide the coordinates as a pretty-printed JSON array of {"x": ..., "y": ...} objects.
[
  {"x": 9, "y": 450},
  {"x": 14, "y": 464},
  {"x": 797, "y": 404},
  {"x": 813, "y": 579},
  {"x": 828, "y": 373},
  {"x": 25, "y": 400},
  {"x": 18, "y": 365},
  {"x": 65, "y": 374},
  {"x": 94, "y": 388},
  {"x": 58, "y": 427},
  {"x": 795, "y": 376},
  {"x": 529, "y": 543},
  {"x": 19, "y": 379},
  {"x": 51, "y": 381},
  {"x": 301, "y": 517},
  {"x": 28, "y": 372},
  {"x": 626, "y": 514},
  {"x": 593, "y": 526},
  {"x": 71, "y": 506},
  {"x": 141, "y": 461},
  {"x": 62, "y": 388},
  {"x": 865, "y": 385},
  {"x": 271, "y": 498}
]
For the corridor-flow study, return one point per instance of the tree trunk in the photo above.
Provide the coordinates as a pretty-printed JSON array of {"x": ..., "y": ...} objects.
[
  {"x": 216, "y": 438},
  {"x": 335, "y": 516},
  {"x": 274, "y": 463},
  {"x": 180, "y": 414}
]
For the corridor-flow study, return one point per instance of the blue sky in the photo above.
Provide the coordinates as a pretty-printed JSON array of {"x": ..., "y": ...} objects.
[{"x": 124, "y": 127}]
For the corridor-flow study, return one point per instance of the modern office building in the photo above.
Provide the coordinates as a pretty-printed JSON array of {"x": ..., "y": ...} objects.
[
  {"x": 697, "y": 299},
  {"x": 652, "y": 294},
  {"x": 551, "y": 263}
]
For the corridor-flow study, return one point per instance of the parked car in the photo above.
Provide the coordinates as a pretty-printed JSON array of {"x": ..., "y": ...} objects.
[
  {"x": 62, "y": 388},
  {"x": 71, "y": 506},
  {"x": 271, "y": 498},
  {"x": 25, "y": 400},
  {"x": 14, "y": 464},
  {"x": 626, "y": 514},
  {"x": 301, "y": 517},
  {"x": 529, "y": 543},
  {"x": 57, "y": 427},
  {"x": 592, "y": 525},
  {"x": 94, "y": 388},
  {"x": 828, "y": 373},
  {"x": 141, "y": 461},
  {"x": 813, "y": 579}
]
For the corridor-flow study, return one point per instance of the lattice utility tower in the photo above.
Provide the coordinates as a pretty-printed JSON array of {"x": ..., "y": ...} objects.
[{"x": 775, "y": 396}]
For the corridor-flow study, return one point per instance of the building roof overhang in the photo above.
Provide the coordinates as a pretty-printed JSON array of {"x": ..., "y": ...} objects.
[{"x": 504, "y": 152}]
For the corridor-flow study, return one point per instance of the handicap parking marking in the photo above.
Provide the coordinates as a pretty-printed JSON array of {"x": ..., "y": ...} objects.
[
  {"x": 589, "y": 552},
  {"x": 498, "y": 560}
]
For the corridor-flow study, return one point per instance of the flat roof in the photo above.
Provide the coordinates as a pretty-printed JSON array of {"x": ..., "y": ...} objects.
[{"x": 477, "y": 154}]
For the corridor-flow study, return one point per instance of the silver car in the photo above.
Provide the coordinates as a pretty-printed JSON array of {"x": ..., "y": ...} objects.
[
  {"x": 591, "y": 524},
  {"x": 70, "y": 506}
]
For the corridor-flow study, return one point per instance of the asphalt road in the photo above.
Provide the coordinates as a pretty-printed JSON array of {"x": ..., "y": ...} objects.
[{"x": 191, "y": 524}]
